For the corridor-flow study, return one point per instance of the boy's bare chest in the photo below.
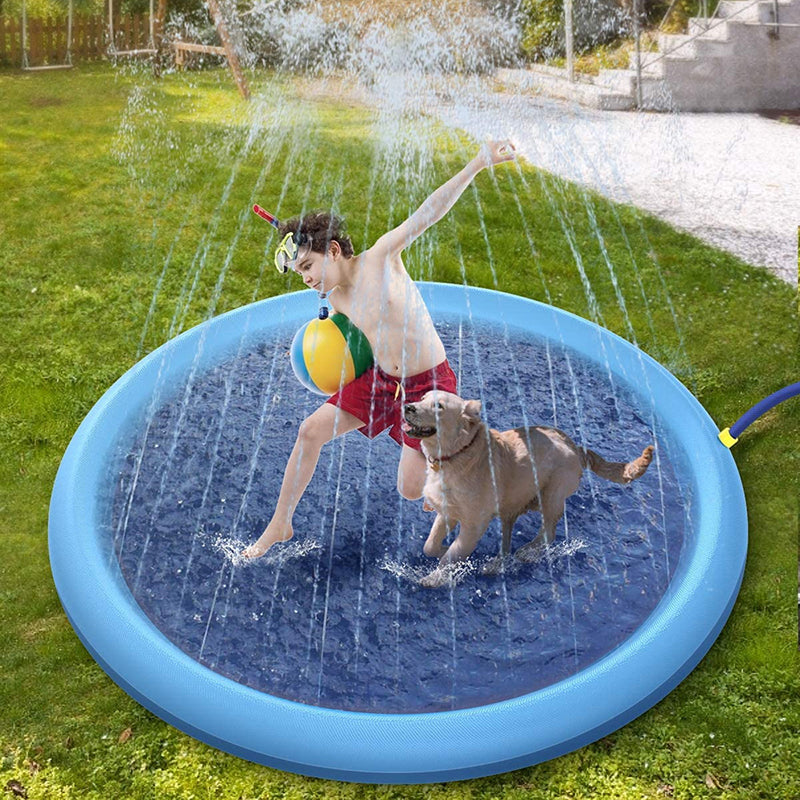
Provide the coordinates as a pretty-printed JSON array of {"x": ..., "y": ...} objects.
[
  {"x": 385, "y": 304},
  {"x": 378, "y": 302}
]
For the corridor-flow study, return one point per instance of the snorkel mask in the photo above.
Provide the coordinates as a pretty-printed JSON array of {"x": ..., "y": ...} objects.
[{"x": 289, "y": 250}]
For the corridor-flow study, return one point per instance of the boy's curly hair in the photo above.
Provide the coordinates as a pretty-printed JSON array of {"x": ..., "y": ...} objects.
[{"x": 323, "y": 228}]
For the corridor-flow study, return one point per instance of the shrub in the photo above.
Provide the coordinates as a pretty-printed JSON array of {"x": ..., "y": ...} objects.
[{"x": 595, "y": 22}]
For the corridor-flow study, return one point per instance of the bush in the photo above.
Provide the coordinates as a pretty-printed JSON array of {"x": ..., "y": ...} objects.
[{"x": 595, "y": 22}]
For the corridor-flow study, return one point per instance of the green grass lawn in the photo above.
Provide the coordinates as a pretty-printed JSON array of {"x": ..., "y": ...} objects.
[{"x": 113, "y": 185}]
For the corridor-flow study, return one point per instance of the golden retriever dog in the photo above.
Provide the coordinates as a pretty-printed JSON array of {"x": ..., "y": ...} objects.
[{"x": 475, "y": 473}]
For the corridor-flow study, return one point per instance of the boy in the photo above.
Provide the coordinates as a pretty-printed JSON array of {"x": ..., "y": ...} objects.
[{"x": 374, "y": 290}]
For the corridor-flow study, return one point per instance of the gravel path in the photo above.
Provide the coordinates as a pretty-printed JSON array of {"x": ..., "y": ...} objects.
[{"x": 733, "y": 180}]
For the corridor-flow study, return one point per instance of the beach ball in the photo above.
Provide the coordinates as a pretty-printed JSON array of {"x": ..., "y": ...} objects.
[{"x": 329, "y": 353}]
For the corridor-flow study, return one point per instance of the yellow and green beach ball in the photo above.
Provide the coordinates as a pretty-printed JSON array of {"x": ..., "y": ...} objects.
[{"x": 329, "y": 353}]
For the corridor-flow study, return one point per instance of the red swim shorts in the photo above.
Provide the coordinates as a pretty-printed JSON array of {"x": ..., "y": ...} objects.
[{"x": 377, "y": 398}]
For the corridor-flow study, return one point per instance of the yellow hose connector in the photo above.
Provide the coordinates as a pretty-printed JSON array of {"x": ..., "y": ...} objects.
[{"x": 726, "y": 438}]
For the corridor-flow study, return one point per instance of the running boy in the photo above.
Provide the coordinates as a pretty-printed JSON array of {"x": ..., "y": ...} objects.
[{"x": 374, "y": 290}]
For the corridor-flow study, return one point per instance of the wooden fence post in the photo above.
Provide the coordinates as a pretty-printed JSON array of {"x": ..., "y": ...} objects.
[
  {"x": 230, "y": 50},
  {"x": 47, "y": 39}
]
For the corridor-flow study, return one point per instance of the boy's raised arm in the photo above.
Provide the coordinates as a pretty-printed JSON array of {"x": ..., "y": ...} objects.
[{"x": 442, "y": 200}]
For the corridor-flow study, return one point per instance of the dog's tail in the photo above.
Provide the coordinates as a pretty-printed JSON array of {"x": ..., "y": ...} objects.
[{"x": 617, "y": 471}]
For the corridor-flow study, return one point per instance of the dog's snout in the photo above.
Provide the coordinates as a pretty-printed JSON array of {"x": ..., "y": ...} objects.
[{"x": 411, "y": 408}]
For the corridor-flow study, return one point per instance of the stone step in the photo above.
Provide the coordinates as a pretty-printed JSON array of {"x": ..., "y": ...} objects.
[
  {"x": 623, "y": 81},
  {"x": 688, "y": 47},
  {"x": 763, "y": 13},
  {"x": 713, "y": 48},
  {"x": 709, "y": 28},
  {"x": 652, "y": 65},
  {"x": 553, "y": 82},
  {"x": 674, "y": 47},
  {"x": 730, "y": 65},
  {"x": 788, "y": 12},
  {"x": 661, "y": 67},
  {"x": 695, "y": 72},
  {"x": 655, "y": 94},
  {"x": 678, "y": 45},
  {"x": 741, "y": 10},
  {"x": 618, "y": 80}
]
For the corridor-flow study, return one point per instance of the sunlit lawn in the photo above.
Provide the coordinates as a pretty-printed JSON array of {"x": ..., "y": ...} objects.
[{"x": 113, "y": 186}]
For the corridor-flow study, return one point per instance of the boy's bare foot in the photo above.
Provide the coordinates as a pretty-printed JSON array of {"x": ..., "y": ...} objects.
[{"x": 273, "y": 534}]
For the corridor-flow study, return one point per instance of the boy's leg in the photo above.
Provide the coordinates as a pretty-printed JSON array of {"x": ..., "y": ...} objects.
[
  {"x": 411, "y": 473},
  {"x": 326, "y": 423}
]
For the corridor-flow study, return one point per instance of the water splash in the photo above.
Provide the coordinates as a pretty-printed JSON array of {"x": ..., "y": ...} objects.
[
  {"x": 456, "y": 573},
  {"x": 231, "y": 548},
  {"x": 453, "y": 574}
]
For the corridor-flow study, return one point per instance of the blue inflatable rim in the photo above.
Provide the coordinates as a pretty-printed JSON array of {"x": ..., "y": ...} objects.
[{"x": 399, "y": 748}]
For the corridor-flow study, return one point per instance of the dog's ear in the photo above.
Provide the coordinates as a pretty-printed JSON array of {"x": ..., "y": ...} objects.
[{"x": 472, "y": 410}]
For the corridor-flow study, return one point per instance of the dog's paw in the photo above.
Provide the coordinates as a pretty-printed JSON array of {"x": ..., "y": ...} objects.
[
  {"x": 531, "y": 552},
  {"x": 448, "y": 574},
  {"x": 495, "y": 566},
  {"x": 434, "y": 549},
  {"x": 433, "y": 580}
]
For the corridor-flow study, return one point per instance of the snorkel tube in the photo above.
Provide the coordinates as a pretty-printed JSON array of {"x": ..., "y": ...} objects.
[
  {"x": 290, "y": 238},
  {"x": 267, "y": 216}
]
